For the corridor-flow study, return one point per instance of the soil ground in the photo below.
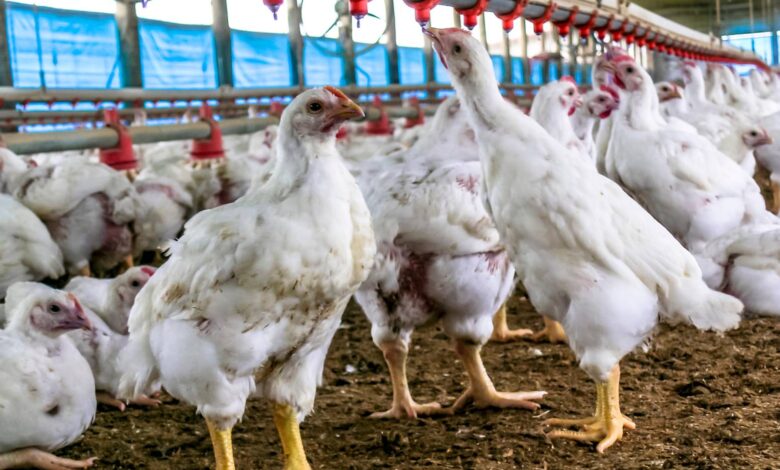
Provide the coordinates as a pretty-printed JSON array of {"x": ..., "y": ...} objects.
[{"x": 699, "y": 401}]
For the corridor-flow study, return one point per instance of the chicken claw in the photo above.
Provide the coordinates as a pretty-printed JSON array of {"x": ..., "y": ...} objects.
[
  {"x": 552, "y": 332},
  {"x": 501, "y": 331},
  {"x": 40, "y": 459},
  {"x": 481, "y": 391}
]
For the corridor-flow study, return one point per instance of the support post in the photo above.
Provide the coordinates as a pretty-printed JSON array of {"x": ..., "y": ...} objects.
[
  {"x": 348, "y": 45},
  {"x": 296, "y": 43},
  {"x": 526, "y": 62},
  {"x": 392, "y": 43},
  {"x": 507, "y": 53},
  {"x": 129, "y": 45},
  {"x": 773, "y": 29},
  {"x": 430, "y": 65},
  {"x": 221, "y": 29}
]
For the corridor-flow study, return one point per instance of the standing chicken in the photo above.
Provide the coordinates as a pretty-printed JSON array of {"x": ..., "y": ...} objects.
[
  {"x": 596, "y": 104},
  {"x": 47, "y": 394},
  {"x": 11, "y": 166},
  {"x": 27, "y": 252},
  {"x": 107, "y": 304},
  {"x": 253, "y": 292},
  {"x": 552, "y": 107},
  {"x": 439, "y": 258},
  {"x": 88, "y": 208},
  {"x": 587, "y": 254},
  {"x": 681, "y": 178}
]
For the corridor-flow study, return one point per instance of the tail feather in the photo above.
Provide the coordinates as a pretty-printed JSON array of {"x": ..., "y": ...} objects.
[
  {"x": 691, "y": 301},
  {"x": 140, "y": 375}
]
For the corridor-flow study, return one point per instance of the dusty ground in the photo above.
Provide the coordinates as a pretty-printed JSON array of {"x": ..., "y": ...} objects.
[{"x": 699, "y": 401}]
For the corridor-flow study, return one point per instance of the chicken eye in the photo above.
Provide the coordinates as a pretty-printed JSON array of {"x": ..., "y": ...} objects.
[
  {"x": 665, "y": 89},
  {"x": 314, "y": 107},
  {"x": 456, "y": 49},
  {"x": 570, "y": 93},
  {"x": 135, "y": 284},
  {"x": 753, "y": 134},
  {"x": 601, "y": 99},
  {"x": 54, "y": 308},
  {"x": 629, "y": 69}
]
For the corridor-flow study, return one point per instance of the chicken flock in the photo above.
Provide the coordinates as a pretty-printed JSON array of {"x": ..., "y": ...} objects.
[{"x": 630, "y": 204}]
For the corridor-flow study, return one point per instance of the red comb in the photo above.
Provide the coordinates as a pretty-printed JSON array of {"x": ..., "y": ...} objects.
[
  {"x": 689, "y": 63},
  {"x": 568, "y": 78},
  {"x": 148, "y": 270},
  {"x": 611, "y": 91},
  {"x": 339, "y": 94}
]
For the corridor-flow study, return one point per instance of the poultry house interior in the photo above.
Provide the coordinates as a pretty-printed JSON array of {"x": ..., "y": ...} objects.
[{"x": 352, "y": 234}]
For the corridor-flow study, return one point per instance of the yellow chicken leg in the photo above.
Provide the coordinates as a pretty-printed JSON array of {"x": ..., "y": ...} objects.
[
  {"x": 286, "y": 422},
  {"x": 552, "y": 331},
  {"x": 222, "y": 443},
  {"x": 606, "y": 426},
  {"x": 501, "y": 331},
  {"x": 481, "y": 390},
  {"x": 403, "y": 405}
]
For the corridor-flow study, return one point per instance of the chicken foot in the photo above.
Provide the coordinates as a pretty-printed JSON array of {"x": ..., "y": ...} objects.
[
  {"x": 552, "y": 332},
  {"x": 395, "y": 353},
  {"x": 481, "y": 390},
  {"x": 37, "y": 458},
  {"x": 222, "y": 442},
  {"x": 501, "y": 331},
  {"x": 286, "y": 421},
  {"x": 143, "y": 400},
  {"x": 607, "y": 424}
]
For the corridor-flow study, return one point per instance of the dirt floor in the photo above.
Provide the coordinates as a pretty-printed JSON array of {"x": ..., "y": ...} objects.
[{"x": 699, "y": 401}]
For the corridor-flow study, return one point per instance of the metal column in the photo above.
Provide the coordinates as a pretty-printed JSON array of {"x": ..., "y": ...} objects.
[
  {"x": 348, "y": 45},
  {"x": 221, "y": 29},
  {"x": 296, "y": 42},
  {"x": 392, "y": 43},
  {"x": 129, "y": 46},
  {"x": 507, "y": 53}
]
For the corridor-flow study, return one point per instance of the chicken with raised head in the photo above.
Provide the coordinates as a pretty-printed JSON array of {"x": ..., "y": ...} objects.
[
  {"x": 88, "y": 208},
  {"x": 253, "y": 291},
  {"x": 552, "y": 108},
  {"x": 439, "y": 258},
  {"x": 597, "y": 104},
  {"x": 47, "y": 393},
  {"x": 588, "y": 255},
  {"x": 27, "y": 251},
  {"x": 107, "y": 304},
  {"x": 681, "y": 178}
]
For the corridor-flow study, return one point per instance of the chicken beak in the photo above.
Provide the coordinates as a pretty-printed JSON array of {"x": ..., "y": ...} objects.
[
  {"x": 76, "y": 318},
  {"x": 348, "y": 110},
  {"x": 676, "y": 93},
  {"x": 435, "y": 35},
  {"x": 767, "y": 140}
]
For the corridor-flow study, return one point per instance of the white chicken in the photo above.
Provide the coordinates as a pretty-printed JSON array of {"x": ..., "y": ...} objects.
[
  {"x": 681, "y": 178},
  {"x": 47, "y": 393},
  {"x": 27, "y": 251},
  {"x": 165, "y": 205},
  {"x": 746, "y": 264},
  {"x": 107, "y": 304},
  {"x": 254, "y": 291},
  {"x": 87, "y": 207},
  {"x": 11, "y": 166},
  {"x": 438, "y": 258},
  {"x": 552, "y": 108},
  {"x": 597, "y": 104},
  {"x": 587, "y": 254}
]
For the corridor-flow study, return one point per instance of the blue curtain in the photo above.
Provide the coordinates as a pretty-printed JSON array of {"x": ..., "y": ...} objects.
[
  {"x": 411, "y": 65},
  {"x": 371, "y": 66},
  {"x": 177, "y": 55},
  {"x": 761, "y": 44},
  {"x": 554, "y": 72},
  {"x": 261, "y": 59},
  {"x": 537, "y": 72},
  {"x": 518, "y": 74},
  {"x": 498, "y": 67},
  {"x": 75, "y": 49},
  {"x": 322, "y": 62},
  {"x": 440, "y": 73}
]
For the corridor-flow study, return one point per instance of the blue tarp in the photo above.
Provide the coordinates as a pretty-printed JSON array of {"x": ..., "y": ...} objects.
[
  {"x": 322, "y": 62},
  {"x": 261, "y": 59},
  {"x": 411, "y": 65},
  {"x": 75, "y": 49},
  {"x": 177, "y": 55},
  {"x": 498, "y": 67},
  {"x": 537, "y": 72},
  {"x": 518, "y": 74},
  {"x": 371, "y": 65}
]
